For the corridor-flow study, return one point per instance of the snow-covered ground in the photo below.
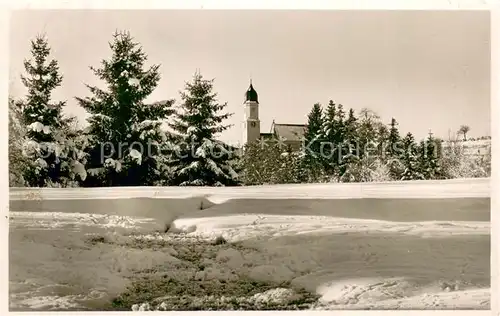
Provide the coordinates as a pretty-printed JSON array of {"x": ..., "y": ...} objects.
[
  {"x": 359, "y": 263},
  {"x": 380, "y": 255},
  {"x": 459, "y": 188}
]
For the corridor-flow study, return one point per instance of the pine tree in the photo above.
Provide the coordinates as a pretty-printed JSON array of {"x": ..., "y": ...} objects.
[
  {"x": 268, "y": 163},
  {"x": 256, "y": 163},
  {"x": 344, "y": 150},
  {"x": 126, "y": 143},
  {"x": 367, "y": 131},
  {"x": 429, "y": 159},
  {"x": 313, "y": 132},
  {"x": 393, "y": 151},
  {"x": 393, "y": 140},
  {"x": 382, "y": 139},
  {"x": 200, "y": 159},
  {"x": 55, "y": 160},
  {"x": 328, "y": 135},
  {"x": 422, "y": 158},
  {"x": 366, "y": 169},
  {"x": 351, "y": 126},
  {"x": 351, "y": 131},
  {"x": 410, "y": 159},
  {"x": 340, "y": 135},
  {"x": 435, "y": 171},
  {"x": 350, "y": 151},
  {"x": 313, "y": 159}
]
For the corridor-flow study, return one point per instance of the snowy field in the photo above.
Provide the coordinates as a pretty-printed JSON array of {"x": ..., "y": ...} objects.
[{"x": 419, "y": 245}]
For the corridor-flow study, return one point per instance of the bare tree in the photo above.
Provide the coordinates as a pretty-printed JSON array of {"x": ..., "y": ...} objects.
[
  {"x": 464, "y": 129},
  {"x": 369, "y": 115}
]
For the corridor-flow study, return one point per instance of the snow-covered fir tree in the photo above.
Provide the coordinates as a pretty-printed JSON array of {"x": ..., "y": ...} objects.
[
  {"x": 54, "y": 158},
  {"x": 350, "y": 154},
  {"x": 410, "y": 159},
  {"x": 382, "y": 139},
  {"x": 269, "y": 163},
  {"x": 351, "y": 126},
  {"x": 344, "y": 149},
  {"x": 346, "y": 137},
  {"x": 394, "y": 151},
  {"x": 366, "y": 169},
  {"x": 313, "y": 134},
  {"x": 349, "y": 169},
  {"x": 430, "y": 158},
  {"x": 313, "y": 160},
  {"x": 199, "y": 158},
  {"x": 126, "y": 144},
  {"x": 367, "y": 131},
  {"x": 340, "y": 113},
  {"x": 393, "y": 140},
  {"x": 329, "y": 136}
]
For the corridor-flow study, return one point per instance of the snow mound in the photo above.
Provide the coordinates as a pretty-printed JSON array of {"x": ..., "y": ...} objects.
[
  {"x": 245, "y": 226},
  {"x": 367, "y": 290},
  {"x": 144, "y": 307},
  {"x": 50, "y": 220},
  {"x": 277, "y": 296}
]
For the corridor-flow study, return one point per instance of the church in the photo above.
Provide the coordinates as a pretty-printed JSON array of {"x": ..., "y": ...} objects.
[{"x": 291, "y": 134}]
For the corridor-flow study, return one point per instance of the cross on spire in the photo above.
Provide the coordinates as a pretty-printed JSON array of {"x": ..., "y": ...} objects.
[
  {"x": 394, "y": 122},
  {"x": 430, "y": 133}
]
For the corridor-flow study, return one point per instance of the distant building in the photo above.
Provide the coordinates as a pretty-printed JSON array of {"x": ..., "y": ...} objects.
[{"x": 291, "y": 134}]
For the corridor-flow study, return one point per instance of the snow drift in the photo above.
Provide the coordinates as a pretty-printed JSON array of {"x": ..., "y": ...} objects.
[{"x": 418, "y": 245}]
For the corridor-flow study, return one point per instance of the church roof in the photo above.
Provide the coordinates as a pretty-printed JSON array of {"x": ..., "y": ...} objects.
[
  {"x": 251, "y": 94},
  {"x": 291, "y": 132},
  {"x": 266, "y": 135}
]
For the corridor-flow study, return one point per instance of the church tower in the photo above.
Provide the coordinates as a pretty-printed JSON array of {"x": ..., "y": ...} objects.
[{"x": 251, "y": 123}]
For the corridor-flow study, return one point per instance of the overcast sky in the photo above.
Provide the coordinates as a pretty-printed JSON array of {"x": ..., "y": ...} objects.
[{"x": 428, "y": 69}]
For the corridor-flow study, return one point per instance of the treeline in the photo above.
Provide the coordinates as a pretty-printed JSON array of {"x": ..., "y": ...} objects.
[
  {"x": 340, "y": 146},
  {"x": 126, "y": 142}
]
